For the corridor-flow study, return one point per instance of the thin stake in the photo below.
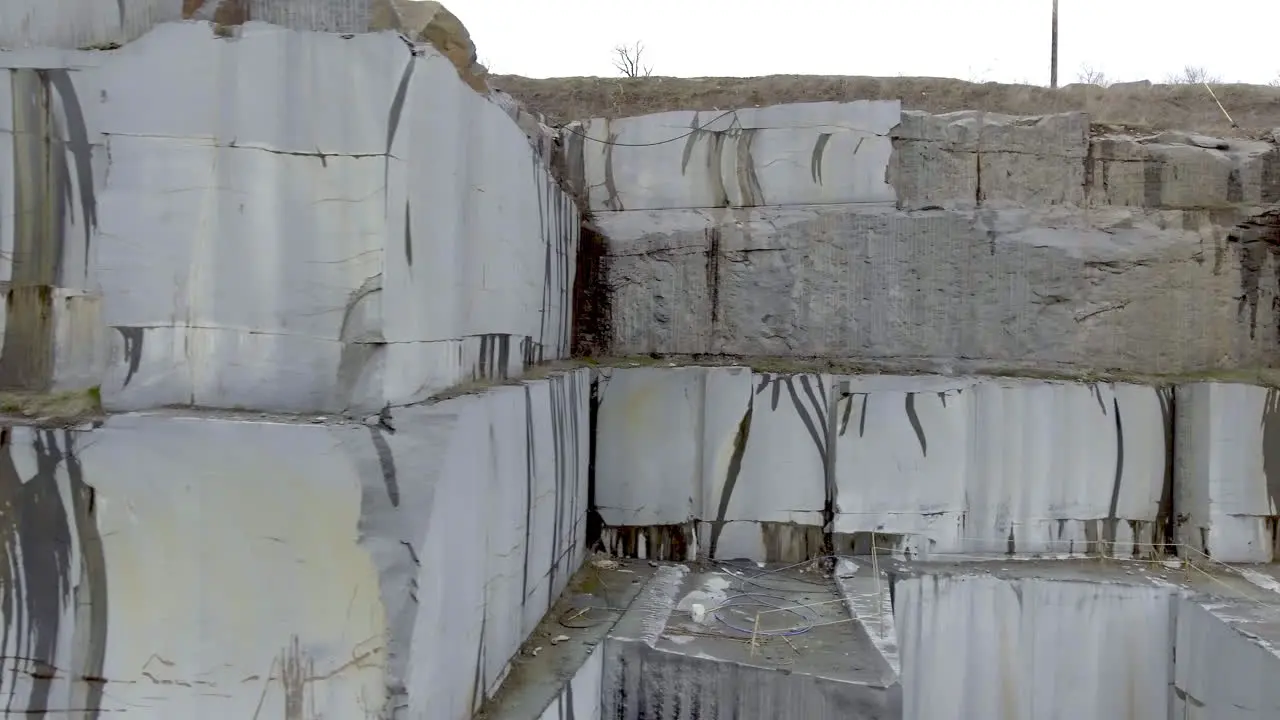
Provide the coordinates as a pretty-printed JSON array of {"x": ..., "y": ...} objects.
[
  {"x": 1224, "y": 110},
  {"x": 755, "y": 631}
]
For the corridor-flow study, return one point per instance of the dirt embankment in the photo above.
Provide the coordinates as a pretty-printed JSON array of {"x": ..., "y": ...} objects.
[{"x": 1254, "y": 108}]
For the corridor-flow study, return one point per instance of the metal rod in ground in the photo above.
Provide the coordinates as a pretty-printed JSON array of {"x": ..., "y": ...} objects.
[{"x": 1214, "y": 95}]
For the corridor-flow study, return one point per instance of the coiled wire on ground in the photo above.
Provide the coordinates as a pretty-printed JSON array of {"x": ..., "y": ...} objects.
[{"x": 808, "y": 618}]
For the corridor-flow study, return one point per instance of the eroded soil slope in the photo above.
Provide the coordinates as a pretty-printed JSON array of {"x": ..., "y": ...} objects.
[{"x": 1254, "y": 108}]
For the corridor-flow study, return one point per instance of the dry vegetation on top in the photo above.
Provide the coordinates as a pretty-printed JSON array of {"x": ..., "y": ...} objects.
[{"x": 1181, "y": 105}]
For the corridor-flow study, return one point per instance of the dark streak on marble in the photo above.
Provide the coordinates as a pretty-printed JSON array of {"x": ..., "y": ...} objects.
[
  {"x": 566, "y": 705},
  {"x": 133, "y": 337},
  {"x": 1166, "y": 517},
  {"x": 477, "y": 682},
  {"x": 36, "y": 576},
  {"x": 731, "y": 477},
  {"x": 530, "y": 458},
  {"x": 1113, "y": 508},
  {"x": 408, "y": 235},
  {"x": 81, "y": 150},
  {"x": 848, "y": 412},
  {"x": 393, "y": 118},
  {"x": 387, "y": 464},
  {"x": 914, "y": 418},
  {"x": 862, "y": 420},
  {"x": 815, "y": 162}
]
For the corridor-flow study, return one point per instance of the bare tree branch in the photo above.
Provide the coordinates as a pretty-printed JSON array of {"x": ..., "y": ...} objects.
[
  {"x": 627, "y": 60},
  {"x": 1091, "y": 76},
  {"x": 1193, "y": 75}
]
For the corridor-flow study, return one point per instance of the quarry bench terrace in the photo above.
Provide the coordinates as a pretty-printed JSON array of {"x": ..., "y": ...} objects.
[{"x": 339, "y": 383}]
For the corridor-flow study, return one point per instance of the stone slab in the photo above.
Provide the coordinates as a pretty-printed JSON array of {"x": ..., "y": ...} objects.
[
  {"x": 1093, "y": 639},
  {"x": 781, "y": 155},
  {"x": 301, "y": 260},
  {"x": 1228, "y": 470},
  {"x": 160, "y": 559},
  {"x": 972, "y": 158},
  {"x": 664, "y": 661},
  {"x": 756, "y": 464},
  {"x": 1118, "y": 289}
]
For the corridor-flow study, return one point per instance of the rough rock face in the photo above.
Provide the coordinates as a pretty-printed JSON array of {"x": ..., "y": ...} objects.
[
  {"x": 1140, "y": 104},
  {"x": 429, "y": 21},
  {"x": 860, "y": 231}
]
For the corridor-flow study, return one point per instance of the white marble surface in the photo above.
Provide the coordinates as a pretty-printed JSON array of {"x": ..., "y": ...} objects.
[
  {"x": 214, "y": 565},
  {"x": 1010, "y": 649},
  {"x": 1228, "y": 471},
  {"x": 1227, "y": 662},
  {"x": 246, "y": 251},
  {"x": 954, "y": 465},
  {"x": 824, "y": 152}
]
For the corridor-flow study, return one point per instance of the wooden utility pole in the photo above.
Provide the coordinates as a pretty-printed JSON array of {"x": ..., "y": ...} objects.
[{"x": 1053, "y": 52}]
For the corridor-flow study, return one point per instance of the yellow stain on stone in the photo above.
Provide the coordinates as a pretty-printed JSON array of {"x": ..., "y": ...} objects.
[{"x": 222, "y": 548}]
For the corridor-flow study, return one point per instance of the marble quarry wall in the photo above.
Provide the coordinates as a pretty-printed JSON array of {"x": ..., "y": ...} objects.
[
  {"x": 784, "y": 467},
  {"x": 861, "y": 230},
  {"x": 976, "y": 645},
  {"x": 758, "y": 464},
  {"x": 242, "y": 238},
  {"x": 1225, "y": 666},
  {"x": 280, "y": 232},
  {"x": 191, "y": 220},
  {"x": 200, "y": 564},
  {"x": 1006, "y": 649},
  {"x": 1228, "y": 471}
]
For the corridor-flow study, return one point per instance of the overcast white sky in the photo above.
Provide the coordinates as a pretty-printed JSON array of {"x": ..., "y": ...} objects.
[{"x": 980, "y": 40}]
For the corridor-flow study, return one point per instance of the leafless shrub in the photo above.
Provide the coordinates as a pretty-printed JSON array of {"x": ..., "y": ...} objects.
[
  {"x": 1193, "y": 75},
  {"x": 1092, "y": 76},
  {"x": 628, "y": 60}
]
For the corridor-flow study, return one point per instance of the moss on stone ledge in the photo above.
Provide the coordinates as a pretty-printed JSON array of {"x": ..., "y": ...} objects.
[{"x": 65, "y": 407}]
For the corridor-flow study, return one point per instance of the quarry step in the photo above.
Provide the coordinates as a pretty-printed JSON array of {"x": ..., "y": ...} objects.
[
  {"x": 1095, "y": 638},
  {"x": 323, "y": 224},
  {"x": 748, "y": 642}
]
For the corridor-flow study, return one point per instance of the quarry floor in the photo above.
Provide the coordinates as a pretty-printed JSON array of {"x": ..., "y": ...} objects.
[
  {"x": 1254, "y": 108},
  {"x": 852, "y": 640}
]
